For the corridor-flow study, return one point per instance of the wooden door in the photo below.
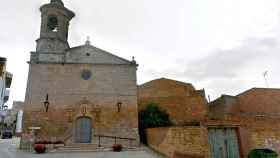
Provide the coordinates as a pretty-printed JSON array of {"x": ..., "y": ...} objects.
[
  {"x": 223, "y": 143},
  {"x": 83, "y": 130}
]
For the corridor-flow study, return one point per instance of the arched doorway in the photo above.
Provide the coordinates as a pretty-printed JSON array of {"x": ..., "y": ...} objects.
[
  {"x": 83, "y": 130},
  {"x": 262, "y": 153}
]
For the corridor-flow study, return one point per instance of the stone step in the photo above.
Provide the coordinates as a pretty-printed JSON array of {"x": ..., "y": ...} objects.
[
  {"x": 66, "y": 150},
  {"x": 89, "y": 148},
  {"x": 81, "y": 145}
]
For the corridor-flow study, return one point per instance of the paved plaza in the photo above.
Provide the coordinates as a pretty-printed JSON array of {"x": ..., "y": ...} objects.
[{"x": 8, "y": 149}]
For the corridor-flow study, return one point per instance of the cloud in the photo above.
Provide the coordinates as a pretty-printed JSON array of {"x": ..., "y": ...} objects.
[
  {"x": 228, "y": 64},
  {"x": 157, "y": 32},
  {"x": 229, "y": 71}
]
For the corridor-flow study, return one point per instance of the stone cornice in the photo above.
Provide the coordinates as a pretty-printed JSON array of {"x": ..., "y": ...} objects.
[
  {"x": 68, "y": 12},
  {"x": 73, "y": 63}
]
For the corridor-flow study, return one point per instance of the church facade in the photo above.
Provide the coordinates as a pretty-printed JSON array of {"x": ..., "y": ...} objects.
[{"x": 78, "y": 94}]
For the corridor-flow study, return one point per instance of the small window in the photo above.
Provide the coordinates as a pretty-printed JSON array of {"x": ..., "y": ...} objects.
[{"x": 53, "y": 24}]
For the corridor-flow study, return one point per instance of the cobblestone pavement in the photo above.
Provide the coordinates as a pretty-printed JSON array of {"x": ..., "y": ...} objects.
[{"x": 9, "y": 149}]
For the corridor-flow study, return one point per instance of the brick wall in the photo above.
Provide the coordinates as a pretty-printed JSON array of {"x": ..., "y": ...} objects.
[
  {"x": 260, "y": 100},
  {"x": 180, "y": 100},
  {"x": 191, "y": 141},
  {"x": 256, "y": 114},
  {"x": 254, "y": 132},
  {"x": 255, "y": 101}
]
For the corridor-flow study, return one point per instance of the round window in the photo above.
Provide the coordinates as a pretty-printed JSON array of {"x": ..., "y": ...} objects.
[{"x": 86, "y": 74}]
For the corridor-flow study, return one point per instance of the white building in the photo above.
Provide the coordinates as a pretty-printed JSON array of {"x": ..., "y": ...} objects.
[{"x": 5, "y": 84}]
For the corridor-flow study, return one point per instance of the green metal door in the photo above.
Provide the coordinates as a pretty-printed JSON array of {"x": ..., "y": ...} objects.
[{"x": 223, "y": 143}]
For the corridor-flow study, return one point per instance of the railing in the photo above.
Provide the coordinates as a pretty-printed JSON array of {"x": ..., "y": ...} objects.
[{"x": 115, "y": 139}]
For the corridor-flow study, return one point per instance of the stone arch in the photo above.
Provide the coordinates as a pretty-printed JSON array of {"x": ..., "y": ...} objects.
[
  {"x": 86, "y": 109},
  {"x": 262, "y": 153}
]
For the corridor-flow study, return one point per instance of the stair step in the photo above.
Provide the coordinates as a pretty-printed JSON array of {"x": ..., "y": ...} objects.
[
  {"x": 78, "y": 146},
  {"x": 89, "y": 149},
  {"x": 78, "y": 150}
]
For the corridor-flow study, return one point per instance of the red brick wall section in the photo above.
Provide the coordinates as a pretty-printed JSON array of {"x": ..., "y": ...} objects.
[
  {"x": 223, "y": 106},
  {"x": 180, "y": 100},
  {"x": 260, "y": 100},
  {"x": 165, "y": 87}
]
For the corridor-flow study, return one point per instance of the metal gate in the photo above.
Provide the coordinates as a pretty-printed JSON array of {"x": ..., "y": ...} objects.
[
  {"x": 223, "y": 143},
  {"x": 83, "y": 130}
]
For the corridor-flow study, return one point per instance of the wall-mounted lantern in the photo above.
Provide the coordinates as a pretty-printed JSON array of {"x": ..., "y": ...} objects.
[
  {"x": 119, "y": 106},
  {"x": 47, "y": 103}
]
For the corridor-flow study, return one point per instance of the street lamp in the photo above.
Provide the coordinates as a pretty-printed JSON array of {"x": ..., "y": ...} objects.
[{"x": 47, "y": 103}]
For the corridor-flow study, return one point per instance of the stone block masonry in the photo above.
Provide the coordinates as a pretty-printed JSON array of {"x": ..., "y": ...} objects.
[{"x": 192, "y": 141}]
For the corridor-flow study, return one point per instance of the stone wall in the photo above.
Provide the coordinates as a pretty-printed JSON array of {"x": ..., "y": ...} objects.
[
  {"x": 85, "y": 54},
  {"x": 91, "y": 54},
  {"x": 71, "y": 97},
  {"x": 65, "y": 86},
  {"x": 60, "y": 125},
  {"x": 191, "y": 141},
  {"x": 266, "y": 138}
]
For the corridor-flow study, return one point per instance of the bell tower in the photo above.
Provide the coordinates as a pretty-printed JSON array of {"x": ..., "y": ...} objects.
[{"x": 55, "y": 19}]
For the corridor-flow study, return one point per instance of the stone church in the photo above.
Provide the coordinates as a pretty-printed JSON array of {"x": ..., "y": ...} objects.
[{"x": 77, "y": 94}]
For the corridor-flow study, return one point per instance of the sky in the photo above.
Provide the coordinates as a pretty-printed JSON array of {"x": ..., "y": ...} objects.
[{"x": 223, "y": 46}]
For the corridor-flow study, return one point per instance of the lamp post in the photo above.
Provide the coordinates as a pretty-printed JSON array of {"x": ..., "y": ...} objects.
[{"x": 47, "y": 103}]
